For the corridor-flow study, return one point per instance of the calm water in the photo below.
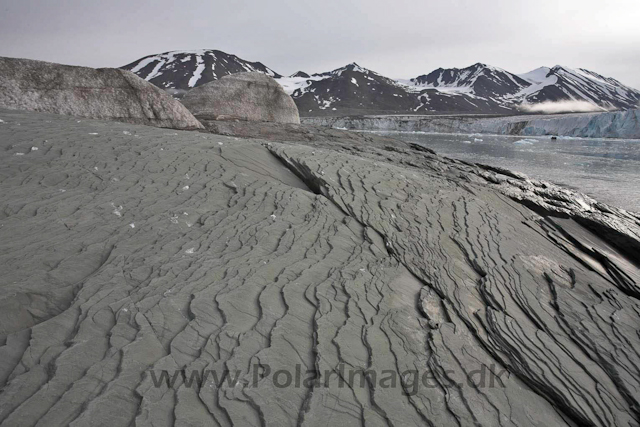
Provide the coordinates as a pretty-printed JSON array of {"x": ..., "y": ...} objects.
[{"x": 606, "y": 169}]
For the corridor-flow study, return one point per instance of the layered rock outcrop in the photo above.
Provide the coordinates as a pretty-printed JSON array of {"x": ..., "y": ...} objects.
[
  {"x": 106, "y": 93},
  {"x": 242, "y": 96},
  {"x": 413, "y": 289}
]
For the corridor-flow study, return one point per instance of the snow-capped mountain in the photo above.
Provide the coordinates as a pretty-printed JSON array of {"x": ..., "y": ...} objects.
[
  {"x": 346, "y": 91},
  {"x": 478, "y": 88},
  {"x": 502, "y": 90},
  {"x": 184, "y": 70},
  {"x": 354, "y": 90},
  {"x": 566, "y": 84},
  {"x": 479, "y": 79}
]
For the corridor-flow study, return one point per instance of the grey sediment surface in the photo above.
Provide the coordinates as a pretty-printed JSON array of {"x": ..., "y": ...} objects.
[{"x": 127, "y": 250}]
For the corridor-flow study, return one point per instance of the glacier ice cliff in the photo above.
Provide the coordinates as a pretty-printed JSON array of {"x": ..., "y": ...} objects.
[{"x": 616, "y": 124}]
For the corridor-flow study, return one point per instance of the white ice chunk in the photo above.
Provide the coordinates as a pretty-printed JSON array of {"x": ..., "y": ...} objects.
[{"x": 117, "y": 210}]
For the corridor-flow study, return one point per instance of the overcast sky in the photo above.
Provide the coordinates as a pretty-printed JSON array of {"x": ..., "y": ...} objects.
[{"x": 400, "y": 38}]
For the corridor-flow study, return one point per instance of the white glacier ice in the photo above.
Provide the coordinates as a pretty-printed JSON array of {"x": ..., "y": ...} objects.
[{"x": 614, "y": 124}]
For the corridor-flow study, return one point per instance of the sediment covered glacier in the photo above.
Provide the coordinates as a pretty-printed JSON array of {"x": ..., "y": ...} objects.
[
  {"x": 128, "y": 251},
  {"x": 616, "y": 124}
]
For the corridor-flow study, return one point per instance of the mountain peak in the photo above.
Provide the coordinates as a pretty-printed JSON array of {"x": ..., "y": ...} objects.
[
  {"x": 536, "y": 76},
  {"x": 354, "y": 67},
  {"x": 185, "y": 69},
  {"x": 477, "y": 80},
  {"x": 300, "y": 74},
  {"x": 558, "y": 67}
]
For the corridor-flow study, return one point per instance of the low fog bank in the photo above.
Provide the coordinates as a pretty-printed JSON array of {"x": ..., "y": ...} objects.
[{"x": 551, "y": 107}]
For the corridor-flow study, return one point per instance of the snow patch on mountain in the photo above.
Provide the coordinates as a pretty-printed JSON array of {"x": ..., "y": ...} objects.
[
  {"x": 198, "y": 73},
  {"x": 292, "y": 84}
]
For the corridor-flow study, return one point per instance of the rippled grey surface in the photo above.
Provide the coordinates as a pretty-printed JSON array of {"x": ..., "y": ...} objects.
[{"x": 605, "y": 169}]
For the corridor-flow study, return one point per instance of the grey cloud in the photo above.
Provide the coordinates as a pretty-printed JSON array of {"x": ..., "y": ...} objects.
[{"x": 404, "y": 38}]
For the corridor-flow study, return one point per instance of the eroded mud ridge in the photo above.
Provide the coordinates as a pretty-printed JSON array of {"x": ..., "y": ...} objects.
[{"x": 128, "y": 250}]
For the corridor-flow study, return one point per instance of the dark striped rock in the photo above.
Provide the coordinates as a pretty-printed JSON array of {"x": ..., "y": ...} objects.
[{"x": 106, "y": 93}]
